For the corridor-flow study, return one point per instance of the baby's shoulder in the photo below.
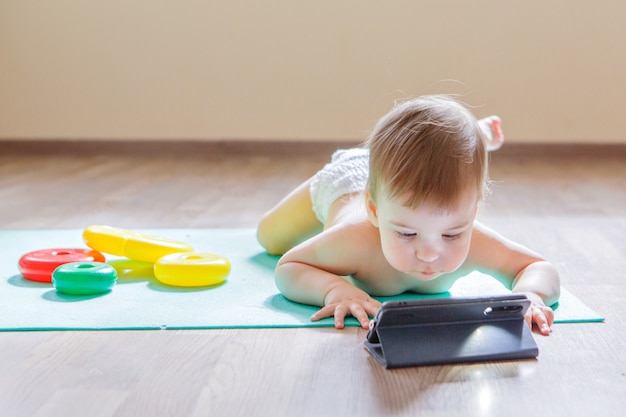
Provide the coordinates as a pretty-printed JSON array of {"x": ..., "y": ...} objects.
[
  {"x": 350, "y": 239},
  {"x": 361, "y": 232}
]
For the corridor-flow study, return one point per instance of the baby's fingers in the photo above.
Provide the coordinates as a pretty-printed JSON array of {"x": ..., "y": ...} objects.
[
  {"x": 542, "y": 317},
  {"x": 359, "y": 313},
  {"x": 338, "y": 310},
  {"x": 372, "y": 307},
  {"x": 362, "y": 312},
  {"x": 322, "y": 313}
]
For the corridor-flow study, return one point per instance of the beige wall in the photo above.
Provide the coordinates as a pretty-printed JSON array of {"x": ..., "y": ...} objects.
[{"x": 303, "y": 69}]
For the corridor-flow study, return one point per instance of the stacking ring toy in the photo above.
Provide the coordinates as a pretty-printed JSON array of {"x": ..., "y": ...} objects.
[
  {"x": 84, "y": 278},
  {"x": 38, "y": 265},
  {"x": 192, "y": 269},
  {"x": 132, "y": 245}
]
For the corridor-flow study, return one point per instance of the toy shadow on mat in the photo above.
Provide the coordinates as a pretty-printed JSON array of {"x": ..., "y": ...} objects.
[
  {"x": 56, "y": 296},
  {"x": 19, "y": 281},
  {"x": 51, "y": 295},
  {"x": 130, "y": 271}
]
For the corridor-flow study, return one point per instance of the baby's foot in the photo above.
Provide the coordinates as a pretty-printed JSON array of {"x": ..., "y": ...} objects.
[{"x": 492, "y": 128}]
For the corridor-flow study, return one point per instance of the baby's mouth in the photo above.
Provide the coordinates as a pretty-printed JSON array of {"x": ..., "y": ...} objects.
[{"x": 428, "y": 274}]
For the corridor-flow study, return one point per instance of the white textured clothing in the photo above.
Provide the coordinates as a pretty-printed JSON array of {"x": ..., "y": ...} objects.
[{"x": 346, "y": 173}]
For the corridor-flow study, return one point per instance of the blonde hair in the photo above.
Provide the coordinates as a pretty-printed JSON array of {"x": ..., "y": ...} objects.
[{"x": 427, "y": 149}]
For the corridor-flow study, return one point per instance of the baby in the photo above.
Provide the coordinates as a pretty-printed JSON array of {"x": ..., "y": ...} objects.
[{"x": 400, "y": 215}]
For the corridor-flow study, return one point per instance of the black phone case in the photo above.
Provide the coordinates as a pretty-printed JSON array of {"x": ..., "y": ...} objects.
[{"x": 451, "y": 330}]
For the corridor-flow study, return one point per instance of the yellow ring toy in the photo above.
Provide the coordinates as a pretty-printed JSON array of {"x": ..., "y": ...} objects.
[
  {"x": 192, "y": 269},
  {"x": 132, "y": 245}
]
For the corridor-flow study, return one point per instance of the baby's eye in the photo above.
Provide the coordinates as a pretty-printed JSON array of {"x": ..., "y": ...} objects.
[
  {"x": 406, "y": 235},
  {"x": 451, "y": 236}
]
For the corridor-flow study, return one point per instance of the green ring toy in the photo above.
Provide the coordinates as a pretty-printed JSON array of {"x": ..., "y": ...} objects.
[{"x": 84, "y": 278}]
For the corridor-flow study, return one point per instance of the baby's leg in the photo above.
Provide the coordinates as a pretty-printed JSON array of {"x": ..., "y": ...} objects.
[
  {"x": 492, "y": 127},
  {"x": 290, "y": 222}
]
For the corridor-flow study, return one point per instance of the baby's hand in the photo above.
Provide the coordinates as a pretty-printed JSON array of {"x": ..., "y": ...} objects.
[
  {"x": 348, "y": 301},
  {"x": 541, "y": 316}
]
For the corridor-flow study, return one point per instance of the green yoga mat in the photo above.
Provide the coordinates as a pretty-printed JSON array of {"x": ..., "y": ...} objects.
[{"x": 248, "y": 299}]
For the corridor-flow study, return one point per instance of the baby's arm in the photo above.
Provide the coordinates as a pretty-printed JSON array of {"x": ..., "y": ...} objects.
[
  {"x": 307, "y": 284},
  {"x": 521, "y": 270},
  {"x": 312, "y": 273},
  {"x": 541, "y": 283}
]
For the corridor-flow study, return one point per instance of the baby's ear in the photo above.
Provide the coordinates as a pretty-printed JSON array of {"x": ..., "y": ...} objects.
[{"x": 372, "y": 210}]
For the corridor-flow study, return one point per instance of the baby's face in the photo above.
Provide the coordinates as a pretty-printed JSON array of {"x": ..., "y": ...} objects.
[{"x": 425, "y": 242}]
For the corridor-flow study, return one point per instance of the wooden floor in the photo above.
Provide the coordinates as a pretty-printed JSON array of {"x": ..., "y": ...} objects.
[{"x": 567, "y": 203}]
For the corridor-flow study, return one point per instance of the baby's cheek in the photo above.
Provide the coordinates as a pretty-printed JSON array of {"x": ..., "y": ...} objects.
[
  {"x": 397, "y": 258},
  {"x": 457, "y": 258}
]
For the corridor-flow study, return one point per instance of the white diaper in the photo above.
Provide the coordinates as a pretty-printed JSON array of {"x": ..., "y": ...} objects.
[{"x": 346, "y": 173}]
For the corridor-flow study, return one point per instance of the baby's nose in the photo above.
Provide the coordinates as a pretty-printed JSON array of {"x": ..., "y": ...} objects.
[{"x": 426, "y": 253}]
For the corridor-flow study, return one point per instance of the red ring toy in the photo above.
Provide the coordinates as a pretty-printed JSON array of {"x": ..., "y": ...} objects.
[{"x": 39, "y": 265}]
